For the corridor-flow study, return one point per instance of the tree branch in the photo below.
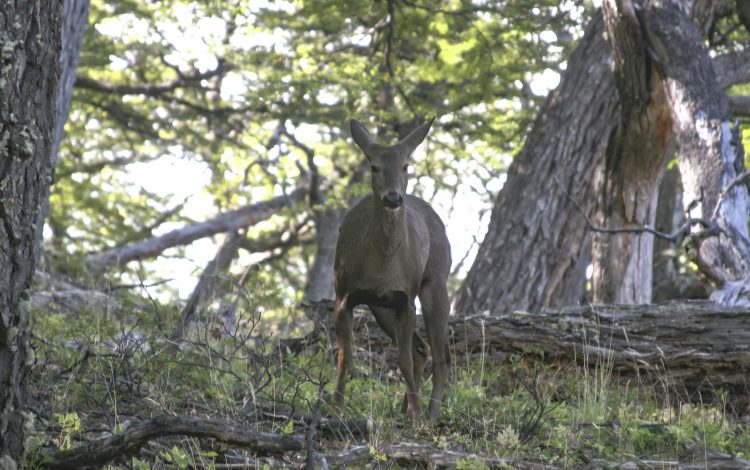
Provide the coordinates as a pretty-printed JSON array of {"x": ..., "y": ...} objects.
[
  {"x": 740, "y": 105},
  {"x": 149, "y": 89},
  {"x": 732, "y": 68},
  {"x": 739, "y": 179},
  {"x": 674, "y": 237},
  {"x": 224, "y": 222}
]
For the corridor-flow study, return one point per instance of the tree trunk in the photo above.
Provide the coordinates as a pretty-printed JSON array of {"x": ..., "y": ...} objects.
[
  {"x": 668, "y": 211},
  {"x": 75, "y": 19},
  {"x": 320, "y": 276},
  {"x": 710, "y": 155},
  {"x": 209, "y": 282},
  {"x": 533, "y": 243},
  {"x": 636, "y": 157},
  {"x": 29, "y": 71},
  {"x": 537, "y": 226}
]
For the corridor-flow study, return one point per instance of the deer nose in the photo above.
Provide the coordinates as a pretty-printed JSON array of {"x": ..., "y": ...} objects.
[{"x": 393, "y": 200}]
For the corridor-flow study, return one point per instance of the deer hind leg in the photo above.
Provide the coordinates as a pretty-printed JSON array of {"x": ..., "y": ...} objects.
[
  {"x": 343, "y": 317},
  {"x": 386, "y": 319},
  {"x": 435, "y": 311}
]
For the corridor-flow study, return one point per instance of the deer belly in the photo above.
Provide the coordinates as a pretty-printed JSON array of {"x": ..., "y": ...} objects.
[{"x": 389, "y": 298}]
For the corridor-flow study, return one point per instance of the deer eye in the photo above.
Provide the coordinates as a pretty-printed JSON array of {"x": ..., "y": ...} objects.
[{"x": 375, "y": 169}]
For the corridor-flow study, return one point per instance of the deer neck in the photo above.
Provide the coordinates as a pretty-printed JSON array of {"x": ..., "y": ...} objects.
[{"x": 388, "y": 229}]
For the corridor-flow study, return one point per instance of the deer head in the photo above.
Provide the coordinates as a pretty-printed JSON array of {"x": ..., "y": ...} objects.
[{"x": 389, "y": 164}]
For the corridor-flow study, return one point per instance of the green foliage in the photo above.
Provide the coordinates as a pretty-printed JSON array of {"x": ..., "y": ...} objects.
[
  {"x": 515, "y": 407},
  {"x": 236, "y": 93},
  {"x": 471, "y": 464},
  {"x": 177, "y": 457},
  {"x": 70, "y": 425}
]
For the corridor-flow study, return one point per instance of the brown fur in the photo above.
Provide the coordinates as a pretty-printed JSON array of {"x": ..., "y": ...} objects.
[{"x": 392, "y": 248}]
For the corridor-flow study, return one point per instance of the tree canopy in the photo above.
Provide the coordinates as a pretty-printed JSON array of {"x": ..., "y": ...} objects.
[{"x": 186, "y": 109}]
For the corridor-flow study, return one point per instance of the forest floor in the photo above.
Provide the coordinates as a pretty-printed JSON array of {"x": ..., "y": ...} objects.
[{"x": 109, "y": 371}]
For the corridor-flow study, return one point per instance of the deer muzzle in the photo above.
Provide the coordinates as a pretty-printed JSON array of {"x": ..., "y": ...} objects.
[{"x": 393, "y": 200}]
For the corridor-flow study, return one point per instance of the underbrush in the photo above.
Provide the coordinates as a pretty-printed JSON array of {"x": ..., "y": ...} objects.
[{"x": 96, "y": 375}]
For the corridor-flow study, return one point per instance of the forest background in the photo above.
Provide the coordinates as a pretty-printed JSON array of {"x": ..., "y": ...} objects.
[{"x": 205, "y": 165}]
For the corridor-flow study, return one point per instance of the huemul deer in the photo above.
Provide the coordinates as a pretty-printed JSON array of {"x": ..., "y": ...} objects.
[{"x": 392, "y": 247}]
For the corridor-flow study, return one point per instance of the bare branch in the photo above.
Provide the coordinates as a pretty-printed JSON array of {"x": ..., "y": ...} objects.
[
  {"x": 674, "y": 237},
  {"x": 739, "y": 179},
  {"x": 149, "y": 89},
  {"x": 209, "y": 281},
  {"x": 315, "y": 197},
  {"x": 224, "y": 222},
  {"x": 95, "y": 167}
]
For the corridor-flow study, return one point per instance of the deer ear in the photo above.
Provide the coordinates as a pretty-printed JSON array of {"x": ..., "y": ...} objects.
[
  {"x": 361, "y": 136},
  {"x": 409, "y": 143}
]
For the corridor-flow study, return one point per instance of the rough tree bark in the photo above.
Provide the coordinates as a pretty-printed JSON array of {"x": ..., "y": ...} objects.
[
  {"x": 536, "y": 231},
  {"x": 320, "y": 276},
  {"x": 29, "y": 71},
  {"x": 635, "y": 159},
  {"x": 710, "y": 154},
  {"x": 75, "y": 19}
]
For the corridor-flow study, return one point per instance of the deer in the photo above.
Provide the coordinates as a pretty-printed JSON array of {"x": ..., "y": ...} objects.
[{"x": 392, "y": 248}]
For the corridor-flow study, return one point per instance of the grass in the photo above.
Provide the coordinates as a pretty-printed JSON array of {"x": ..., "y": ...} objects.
[{"x": 97, "y": 375}]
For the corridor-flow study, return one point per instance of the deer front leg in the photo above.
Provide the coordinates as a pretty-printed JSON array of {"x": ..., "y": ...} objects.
[
  {"x": 343, "y": 317},
  {"x": 386, "y": 318},
  {"x": 405, "y": 324}
]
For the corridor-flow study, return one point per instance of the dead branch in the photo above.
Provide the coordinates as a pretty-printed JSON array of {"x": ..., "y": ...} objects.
[
  {"x": 128, "y": 442},
  {"x": 739, "y": 179},
  {"x": 149, "y": 89},
  {"x": 674, "y": 237},
  {"x": 209, "y": 281},
  {"x": 224, "y": 222},
  {"x": 331, "y": 427}
]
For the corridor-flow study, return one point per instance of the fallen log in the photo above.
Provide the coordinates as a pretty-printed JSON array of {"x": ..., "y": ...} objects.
[
  {"x": 99, "y": 452},
  {"x": 694, "y": 345}
]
